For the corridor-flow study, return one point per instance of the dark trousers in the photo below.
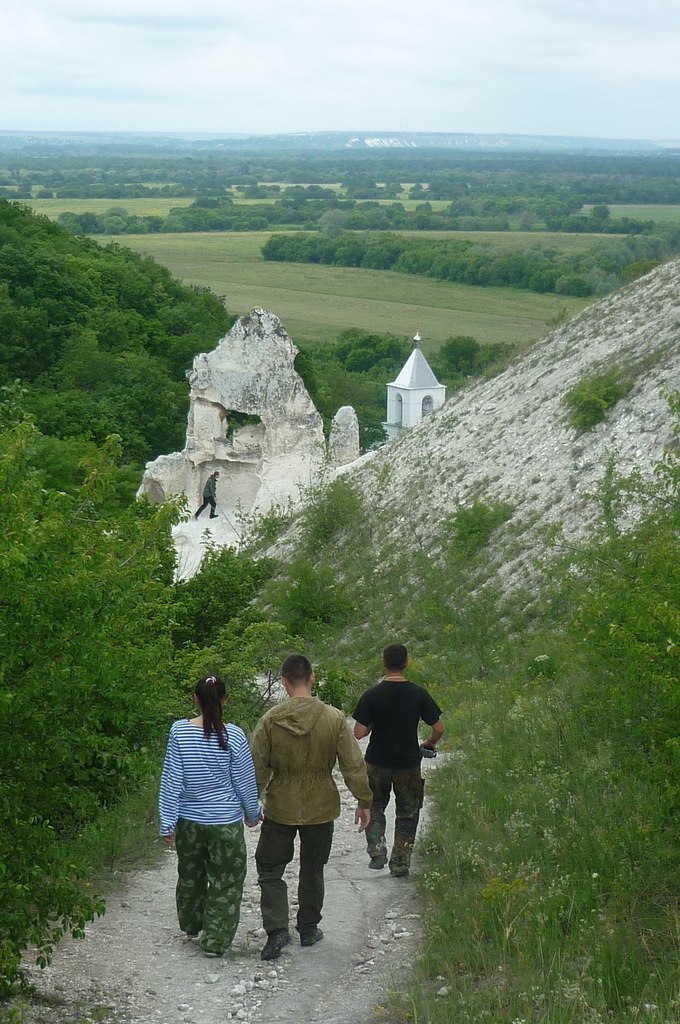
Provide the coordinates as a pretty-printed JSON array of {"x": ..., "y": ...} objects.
[
  {"x": 274, "y": 852},
  {"x": 206, "y": 502},
  {"x": 408, "y": 787}
]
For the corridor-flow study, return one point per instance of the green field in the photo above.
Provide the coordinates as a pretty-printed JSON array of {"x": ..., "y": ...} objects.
[
  {"x": 662, "y": 214},
  {"x": 317, "y": 302},
  {"x": 146, "y": 207}
]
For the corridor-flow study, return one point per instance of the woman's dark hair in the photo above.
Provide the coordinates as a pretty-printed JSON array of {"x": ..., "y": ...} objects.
[{"x": 210, "y": 692}]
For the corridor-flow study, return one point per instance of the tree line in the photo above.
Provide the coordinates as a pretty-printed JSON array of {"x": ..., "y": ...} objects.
[
  {"x": 437, "y": 174},
  {"x": 332, "y": 214},
  {"x": 538, "y": 269}
]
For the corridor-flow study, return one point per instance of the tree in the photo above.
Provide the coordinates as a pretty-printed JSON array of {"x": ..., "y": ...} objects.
[
  {"x": 332, "y": 223},
  {"x": 600, "y": 214},
  {"x": 84, "y": 669}
]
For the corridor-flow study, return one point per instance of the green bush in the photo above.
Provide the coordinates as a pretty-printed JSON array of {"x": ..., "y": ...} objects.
[
  {"x": 334, "y": 686},
  {"x": 470, "y": 527},
  {"x": 589, "y": 401},
  {"x": 309, "y": 598},
  {"x": 261, "y": 530},
  {"x": 626, "y": 616},
  {"x": 330, "y": 510},
  {"x": 84, "y": 670},
  {"x": 225, "y": 583}
]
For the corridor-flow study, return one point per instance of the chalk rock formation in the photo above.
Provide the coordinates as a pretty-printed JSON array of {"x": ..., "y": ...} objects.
[
  {"x": 343, "y": 440},
  {"x": 262, "y": 463}
]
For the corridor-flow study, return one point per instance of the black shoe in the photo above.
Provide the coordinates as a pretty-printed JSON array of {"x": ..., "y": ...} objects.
[
  {"x": 214, "y": 517},
  {"x": 399, "y": 870},
  {"x": 310, "y": 936},
  {"x": 378, "y": 862},
  {"x": 276, "y": 940}
]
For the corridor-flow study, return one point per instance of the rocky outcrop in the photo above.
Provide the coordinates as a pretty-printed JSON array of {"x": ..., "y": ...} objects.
[
  {"x": 266, "y": 460},
  {"x": 343, "y": 440}
]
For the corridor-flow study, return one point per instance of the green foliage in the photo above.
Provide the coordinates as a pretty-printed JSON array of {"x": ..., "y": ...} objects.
[
  {"x": 225, "y": 583},
  {"x": 627, "y": 617},
  {"x": 309, "y": 599},
  {"x": 330, "y": 510},
  {"x": 555, "y": 842},
  {"x": 590, "y": 400},
  {"x": 462, "y": 357},
  {"x": 262, "y": 529},
  {"x": 468, "y": 262},
  {"x": 247, "y": 652},
  {"x": 84, "y": 601},
  {"x": 334, "y": 685},
  {"x": 62, "y": 466},
  {"x": 103, "y": 336},
  {"x": 543, "y": 856},
  {"x": 353, "y": 370},
  {"x": 470, "y": 527}
]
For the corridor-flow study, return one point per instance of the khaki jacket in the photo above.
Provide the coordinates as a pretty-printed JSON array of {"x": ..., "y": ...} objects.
[{"x": 295, "y": 746}]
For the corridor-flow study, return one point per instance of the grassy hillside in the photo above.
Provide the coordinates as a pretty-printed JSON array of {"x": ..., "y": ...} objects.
[{"x": 536, "y": 583}]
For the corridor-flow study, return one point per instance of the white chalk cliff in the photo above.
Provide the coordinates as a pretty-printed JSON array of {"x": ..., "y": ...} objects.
[{"x": 263, "y": 463}]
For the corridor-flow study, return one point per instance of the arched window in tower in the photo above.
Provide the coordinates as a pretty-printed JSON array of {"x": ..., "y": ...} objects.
[
  {"x": 427, "y": 405},
  {"x": 399, "y": 409}
]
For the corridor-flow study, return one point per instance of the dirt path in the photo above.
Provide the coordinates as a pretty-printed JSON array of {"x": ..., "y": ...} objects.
[{"x": 135, "y": 965}]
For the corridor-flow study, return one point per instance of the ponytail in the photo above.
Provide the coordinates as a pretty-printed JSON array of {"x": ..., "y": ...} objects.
[{"x": 210, "y": 692}]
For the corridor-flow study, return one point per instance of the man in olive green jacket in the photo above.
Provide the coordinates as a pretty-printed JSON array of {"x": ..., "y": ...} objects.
[{"x": 295, "y": 747}]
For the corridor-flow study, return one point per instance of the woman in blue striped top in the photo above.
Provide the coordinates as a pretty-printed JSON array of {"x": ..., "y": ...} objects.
[{"x": 207, "y": 790}]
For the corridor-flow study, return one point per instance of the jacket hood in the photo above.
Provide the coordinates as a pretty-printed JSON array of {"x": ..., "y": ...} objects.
[{"x": 297, "y": 715}]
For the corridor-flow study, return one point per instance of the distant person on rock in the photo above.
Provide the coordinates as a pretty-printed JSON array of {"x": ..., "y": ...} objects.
[
  {"x": 295, "y": 746},
  {"x": 207, "y": 790},
  {"x": 390, "y": 713},
  {"x": 209, "y": 495}
]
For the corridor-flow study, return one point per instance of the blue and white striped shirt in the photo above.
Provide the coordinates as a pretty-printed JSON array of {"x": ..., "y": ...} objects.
[{"x": 201, "y": 782}]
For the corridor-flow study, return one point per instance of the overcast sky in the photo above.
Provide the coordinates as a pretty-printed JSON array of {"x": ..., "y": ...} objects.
[{"x": 595, "y": 68}]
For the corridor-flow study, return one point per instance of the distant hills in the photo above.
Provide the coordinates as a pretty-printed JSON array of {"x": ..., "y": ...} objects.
[{"x": 462, "y": 142}]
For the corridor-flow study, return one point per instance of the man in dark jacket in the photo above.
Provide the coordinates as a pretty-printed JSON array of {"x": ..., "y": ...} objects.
[
  {"x": 209, "y": 495},
  {"x": 391, "y": 712}
]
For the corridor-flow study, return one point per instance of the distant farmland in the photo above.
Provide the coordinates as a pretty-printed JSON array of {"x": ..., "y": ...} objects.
[{"x": 317, "y": 302}]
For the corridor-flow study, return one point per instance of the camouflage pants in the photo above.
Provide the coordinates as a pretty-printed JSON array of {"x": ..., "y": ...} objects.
[
  {"x": 408, "y": 789},
  {"x": 211, "y": 869}
]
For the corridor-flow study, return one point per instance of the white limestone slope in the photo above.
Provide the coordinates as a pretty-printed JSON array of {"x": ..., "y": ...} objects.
[{"x": 509, "y": 438}]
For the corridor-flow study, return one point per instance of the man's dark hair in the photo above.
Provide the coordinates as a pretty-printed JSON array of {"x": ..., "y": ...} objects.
[
  {"x": 394, "y": 657},
  {"x": 297, "y": 669}
]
